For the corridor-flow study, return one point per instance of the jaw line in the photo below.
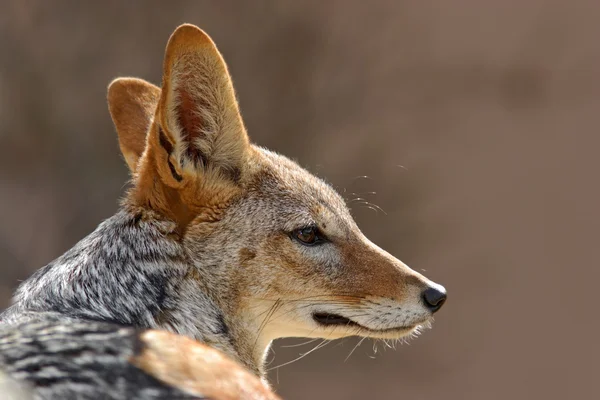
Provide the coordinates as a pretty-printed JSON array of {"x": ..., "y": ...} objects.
[
  {"x": 353, "y": 328},
  {"x": 388, "y": 333}
]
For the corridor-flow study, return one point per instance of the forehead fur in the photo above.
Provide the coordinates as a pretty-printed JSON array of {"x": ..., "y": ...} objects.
[{"x": 305, "y": 198}]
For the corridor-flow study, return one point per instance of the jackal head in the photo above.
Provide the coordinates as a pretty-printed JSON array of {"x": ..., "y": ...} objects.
[{"x": 275, "y": 247}]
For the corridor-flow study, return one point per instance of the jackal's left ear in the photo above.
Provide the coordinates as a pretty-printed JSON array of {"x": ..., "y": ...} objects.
[
  {"x": 199, "y": 123},
  {"x": 132, "y": 103}
]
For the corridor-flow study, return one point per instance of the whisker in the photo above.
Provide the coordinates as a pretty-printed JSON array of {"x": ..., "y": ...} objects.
[
  {"x": 355, "y": 347},
  {"x": 272, "y": 310},
  {"x": 363, "y": 193},
  {"x": 299, "y": 344},
  {"x": 322, "y": 344}
]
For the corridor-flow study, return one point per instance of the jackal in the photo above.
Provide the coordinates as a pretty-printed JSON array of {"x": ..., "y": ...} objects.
[{"x": 218, "y": 239}]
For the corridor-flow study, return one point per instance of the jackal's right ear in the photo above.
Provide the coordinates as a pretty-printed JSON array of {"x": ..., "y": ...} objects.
[
  {"x": 199, "y": 126},
  {"x": 132, "y": 103}
]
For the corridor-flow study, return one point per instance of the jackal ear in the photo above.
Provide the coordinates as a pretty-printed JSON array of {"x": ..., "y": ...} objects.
[
  {"x": 132, "y": 103},
  {"x": 199, "y": 123}
]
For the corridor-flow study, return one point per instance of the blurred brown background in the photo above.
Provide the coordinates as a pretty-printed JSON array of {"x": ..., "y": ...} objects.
[{"x": 475, "y": 121}]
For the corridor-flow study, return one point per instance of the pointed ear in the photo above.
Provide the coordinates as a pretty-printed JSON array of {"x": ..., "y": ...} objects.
[
  {"x": 199, "y": 123},
  {"x": 132, "y": 103}
]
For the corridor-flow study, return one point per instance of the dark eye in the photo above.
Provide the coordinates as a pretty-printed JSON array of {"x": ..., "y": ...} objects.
[{"x": 308, "y": 236}]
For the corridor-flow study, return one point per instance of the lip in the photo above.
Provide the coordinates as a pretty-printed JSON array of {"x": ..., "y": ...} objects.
[{"x": 331, "y": 320}]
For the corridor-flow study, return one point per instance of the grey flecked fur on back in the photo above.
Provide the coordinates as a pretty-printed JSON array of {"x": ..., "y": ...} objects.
[
  {"x": 127, "y": 271},
  {"x": 47, "y": 358}
]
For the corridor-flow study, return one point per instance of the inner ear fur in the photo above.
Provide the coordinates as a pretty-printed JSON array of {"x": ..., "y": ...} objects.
[
  {"x": 199, "y": 125},
  {"x": 132, "y": 104}
]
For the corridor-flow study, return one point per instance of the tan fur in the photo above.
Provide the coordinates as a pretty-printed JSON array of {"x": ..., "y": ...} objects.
[
  {"x": 236, "y": 206},
  {"x": 197, "y": 369},
  {"x": 132, "y": 103}
]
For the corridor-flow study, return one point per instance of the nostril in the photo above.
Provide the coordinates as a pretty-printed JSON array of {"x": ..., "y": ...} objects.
[{"x": 434, "y": 298}]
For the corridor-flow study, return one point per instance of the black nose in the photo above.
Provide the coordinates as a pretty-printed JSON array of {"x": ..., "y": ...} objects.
[{"x": 434, "y": 298}]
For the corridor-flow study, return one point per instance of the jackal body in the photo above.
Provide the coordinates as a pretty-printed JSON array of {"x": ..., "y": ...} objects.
[{"x": 221, "y": 240}]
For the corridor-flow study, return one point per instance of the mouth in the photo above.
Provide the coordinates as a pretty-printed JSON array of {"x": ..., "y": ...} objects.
[
  {"x": 326, "y": 319},
  {"x": 331, "y": 320}
]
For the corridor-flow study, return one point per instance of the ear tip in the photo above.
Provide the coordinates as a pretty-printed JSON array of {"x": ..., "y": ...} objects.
[
  {"x": 123, "y": 86},
  {"x": 118, "y": 86},
  {"x": 188, "y": 36},
  {"x": 124, "y": 82}
]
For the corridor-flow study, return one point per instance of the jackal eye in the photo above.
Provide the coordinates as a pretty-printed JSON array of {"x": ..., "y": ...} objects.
[{"x": 308, "y": 236}]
